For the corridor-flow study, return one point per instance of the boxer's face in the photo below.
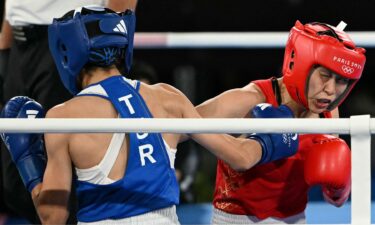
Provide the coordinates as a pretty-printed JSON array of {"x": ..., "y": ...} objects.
[{"x": 324, "y": 87}]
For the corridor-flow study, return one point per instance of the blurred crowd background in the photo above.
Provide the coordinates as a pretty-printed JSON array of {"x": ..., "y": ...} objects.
[{"x": 204, "y": 73}]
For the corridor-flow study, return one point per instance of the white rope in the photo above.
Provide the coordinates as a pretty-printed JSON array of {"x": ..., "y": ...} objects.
[
  {"x": 231, "y": 39},
  {"x": 337, "y": 126},
  {"x": 359, "y": 127}
]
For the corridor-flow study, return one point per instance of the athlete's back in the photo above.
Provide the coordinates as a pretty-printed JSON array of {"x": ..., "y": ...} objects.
[{"x": 88, "y": 149}]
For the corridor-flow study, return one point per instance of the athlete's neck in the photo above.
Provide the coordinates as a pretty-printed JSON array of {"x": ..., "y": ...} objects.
[
  {"x": 98, "y": 75},
  {"x": 298, "y": 110}
]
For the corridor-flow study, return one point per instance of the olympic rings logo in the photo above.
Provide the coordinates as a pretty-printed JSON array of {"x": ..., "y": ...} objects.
[{"x": 347, "y": 69}]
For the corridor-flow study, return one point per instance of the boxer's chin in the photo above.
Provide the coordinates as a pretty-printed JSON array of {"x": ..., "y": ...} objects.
[{"x": 316, "y": 106}]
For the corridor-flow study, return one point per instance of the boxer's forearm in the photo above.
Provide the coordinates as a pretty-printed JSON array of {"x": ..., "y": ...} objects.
[
  {"x": 50, "y": 205},
  {"x": 241, "y": 154}
]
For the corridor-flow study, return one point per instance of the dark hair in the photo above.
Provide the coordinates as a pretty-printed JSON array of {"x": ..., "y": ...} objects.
[{"x": 88, "y": 70}]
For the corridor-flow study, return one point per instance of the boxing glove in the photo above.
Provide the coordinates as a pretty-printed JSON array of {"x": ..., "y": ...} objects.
[
  {"x": 26, "y": 150},
  {"x": 328, "y": 163},
  {"x": 274, "y": 146}
]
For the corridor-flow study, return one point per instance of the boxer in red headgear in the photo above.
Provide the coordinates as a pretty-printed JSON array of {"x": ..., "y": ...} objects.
[{"x": 321, "y": 66}]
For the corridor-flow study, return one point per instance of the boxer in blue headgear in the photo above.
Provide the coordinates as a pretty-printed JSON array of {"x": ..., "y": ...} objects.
[
  {"x": 94, "y": 35},
  {"x": 121, "y": 178}
]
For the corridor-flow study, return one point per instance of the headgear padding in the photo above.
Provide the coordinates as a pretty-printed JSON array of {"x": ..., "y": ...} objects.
[
  {"x": 94, "y": 35},
  {"x": 318, "y": 44}
]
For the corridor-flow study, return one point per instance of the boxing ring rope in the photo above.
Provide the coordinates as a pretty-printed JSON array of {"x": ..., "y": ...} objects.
[
  {"x": 157, "y": 125},
  {"x": 230, "y": 39},
  {"x": 359, "y": 127}
]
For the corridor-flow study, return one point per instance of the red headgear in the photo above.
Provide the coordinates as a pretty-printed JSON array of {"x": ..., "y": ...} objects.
[{"x": 320, "y": 44}]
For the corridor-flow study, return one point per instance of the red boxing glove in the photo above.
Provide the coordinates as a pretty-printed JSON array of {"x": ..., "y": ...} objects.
[{"x": 328, "y": 163}]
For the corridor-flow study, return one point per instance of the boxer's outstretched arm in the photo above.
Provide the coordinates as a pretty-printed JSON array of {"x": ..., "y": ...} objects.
[
  {"x": 52, "y": 196},
  {"x": 241, "y": 154},
  {"x": 235, "y": 103}
]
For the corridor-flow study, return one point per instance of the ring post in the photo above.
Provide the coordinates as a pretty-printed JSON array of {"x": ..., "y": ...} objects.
[{"x": 361, "y": 169}]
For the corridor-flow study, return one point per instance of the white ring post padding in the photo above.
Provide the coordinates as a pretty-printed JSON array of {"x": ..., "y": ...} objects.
[
  {"x": 361, "y": 169},
  {"x": 230, "y": 39},
  {"x": 339, "y": 126}
]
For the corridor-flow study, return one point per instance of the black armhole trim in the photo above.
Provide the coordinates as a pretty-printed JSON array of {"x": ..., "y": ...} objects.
[{"x": 276, "y": 90}]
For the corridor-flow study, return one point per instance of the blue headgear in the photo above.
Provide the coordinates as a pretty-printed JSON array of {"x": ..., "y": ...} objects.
[{"x": 94, "y": 35}]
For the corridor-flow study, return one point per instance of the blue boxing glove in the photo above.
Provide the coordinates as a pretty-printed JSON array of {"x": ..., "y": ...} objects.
[
  {"x": 274, "y": 146},
  {"x": 26, "y": 150}
]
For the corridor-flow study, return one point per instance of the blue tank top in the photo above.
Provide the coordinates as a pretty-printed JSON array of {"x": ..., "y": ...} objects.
[{"x": 149, "y": 182}]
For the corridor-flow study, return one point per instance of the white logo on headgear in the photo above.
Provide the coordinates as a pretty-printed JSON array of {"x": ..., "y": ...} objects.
[
  {"x": 347, "y": 62},
  {"x": 347, "y": 69},
  {"x": 121, "y": 27}
]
